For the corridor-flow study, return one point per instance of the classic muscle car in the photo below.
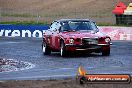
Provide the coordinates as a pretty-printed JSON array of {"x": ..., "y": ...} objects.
[{"x": 72, "y": 35}]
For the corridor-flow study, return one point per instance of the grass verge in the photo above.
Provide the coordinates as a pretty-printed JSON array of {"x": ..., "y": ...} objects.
[{"x": 25, "y": 23}]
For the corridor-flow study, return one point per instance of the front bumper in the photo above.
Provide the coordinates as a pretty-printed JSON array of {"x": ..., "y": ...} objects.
[{"x": 91, "y": 47}]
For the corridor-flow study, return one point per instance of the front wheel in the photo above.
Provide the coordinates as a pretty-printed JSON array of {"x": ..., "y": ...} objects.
[
  {"x": 106, "y": 52},
  {"x": 62, "y": 49},
  {"x": 46, "y": 49}
]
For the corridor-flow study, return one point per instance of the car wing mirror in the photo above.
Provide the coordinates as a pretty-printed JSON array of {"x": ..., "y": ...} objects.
[{"x": 95, "y": 31}]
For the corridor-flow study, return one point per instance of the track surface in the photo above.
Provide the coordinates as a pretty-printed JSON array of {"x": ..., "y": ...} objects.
[{"x": 54, "y": 66}]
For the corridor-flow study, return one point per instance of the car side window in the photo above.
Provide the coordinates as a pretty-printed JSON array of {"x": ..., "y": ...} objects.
[
  {"x": 53, "y": 26},
  {"x": 58, "y": 26}
]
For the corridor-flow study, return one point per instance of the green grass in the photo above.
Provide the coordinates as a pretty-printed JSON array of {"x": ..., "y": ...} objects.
[
  {"x": 25, "y": 23},
  {"x": 16, "y": 15}
]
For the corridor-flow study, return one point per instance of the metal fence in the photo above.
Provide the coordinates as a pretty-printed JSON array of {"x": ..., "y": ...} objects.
[
  {"x": 124, "y": 19},
  {"x": 11, "y": 16},
  {"x": 95, "y": 12}
]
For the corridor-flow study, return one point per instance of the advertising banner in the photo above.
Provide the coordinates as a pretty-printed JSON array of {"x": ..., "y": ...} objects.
[
  {"x": 22, "y": 30},
  {"x": 116, "y": 33}
]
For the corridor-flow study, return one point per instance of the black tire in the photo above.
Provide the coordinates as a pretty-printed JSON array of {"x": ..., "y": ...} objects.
[
  {"x": 62, "y": 49},
  {"x": 46, "y": 50},
  {"x": 106, "y": 53}
]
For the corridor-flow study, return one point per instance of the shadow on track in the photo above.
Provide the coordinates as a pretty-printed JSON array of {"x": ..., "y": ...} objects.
[{"x": 77, "y": 55}]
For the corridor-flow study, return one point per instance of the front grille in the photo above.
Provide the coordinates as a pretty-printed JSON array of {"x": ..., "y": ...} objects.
[{"x": 87, "y": 41}]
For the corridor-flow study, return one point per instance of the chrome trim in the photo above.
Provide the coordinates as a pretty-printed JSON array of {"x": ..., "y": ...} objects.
[
  {"x": 103, "y": 44},
  {"x": 86, "y": 49},
  {"x": 81, "y": 49},
  {"x": 89, "y": 44},
  {"x": 73, "y": 44},
  {"x": 90, "y": 37}
]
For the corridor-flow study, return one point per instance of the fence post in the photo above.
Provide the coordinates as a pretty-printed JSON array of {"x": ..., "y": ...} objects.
[{"x": 38, "y": 18}]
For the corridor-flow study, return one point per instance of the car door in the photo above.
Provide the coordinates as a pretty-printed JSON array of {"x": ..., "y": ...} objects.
[
  {"x": 51, "y": 33},
  {"x": 55, "y": 36}
]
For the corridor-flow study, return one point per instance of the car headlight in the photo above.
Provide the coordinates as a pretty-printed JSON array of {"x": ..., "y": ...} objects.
[
  {"x": 71, "y": 41},
  {"x": 107, "y": 40}
]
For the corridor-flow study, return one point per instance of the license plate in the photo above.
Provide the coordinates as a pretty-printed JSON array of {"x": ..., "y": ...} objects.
[{"x": 90, "y": 41}]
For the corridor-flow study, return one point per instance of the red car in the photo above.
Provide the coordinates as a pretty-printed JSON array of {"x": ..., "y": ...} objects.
[{"x": 71, "y": 35}]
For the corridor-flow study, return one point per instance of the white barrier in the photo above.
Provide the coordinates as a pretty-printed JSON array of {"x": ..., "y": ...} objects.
[{"x": 118, "y": 33}]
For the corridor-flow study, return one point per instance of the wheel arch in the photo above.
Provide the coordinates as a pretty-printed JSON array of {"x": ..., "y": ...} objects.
[
  {"x": 61, "y": 40},
  {"x": 43, "y": 40}
]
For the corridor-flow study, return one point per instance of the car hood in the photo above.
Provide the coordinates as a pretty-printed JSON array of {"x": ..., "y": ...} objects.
[{"x": 82, "y": 34}]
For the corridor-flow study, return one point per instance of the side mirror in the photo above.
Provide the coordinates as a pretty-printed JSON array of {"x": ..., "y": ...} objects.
[{"x": 95, "y": 31}]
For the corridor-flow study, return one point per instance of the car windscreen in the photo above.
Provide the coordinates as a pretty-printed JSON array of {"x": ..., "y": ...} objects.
[{"x": 78, "y": 26}]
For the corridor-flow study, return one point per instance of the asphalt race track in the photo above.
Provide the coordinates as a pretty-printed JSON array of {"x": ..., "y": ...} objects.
[{"x": 55, "y": 66}]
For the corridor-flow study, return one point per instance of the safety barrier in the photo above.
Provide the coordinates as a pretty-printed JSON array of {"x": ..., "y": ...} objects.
[
  {"x": 116, "y": 33},
  {"x": 22, "y": 30}
]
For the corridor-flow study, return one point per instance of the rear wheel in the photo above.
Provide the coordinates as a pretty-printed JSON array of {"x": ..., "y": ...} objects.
[
  {"x": 62, "y": 49},
  {"x": 46, "y": 49}
]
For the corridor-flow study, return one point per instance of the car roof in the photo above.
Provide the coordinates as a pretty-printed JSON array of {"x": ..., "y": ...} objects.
[{"x": 64, "y": 20}]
